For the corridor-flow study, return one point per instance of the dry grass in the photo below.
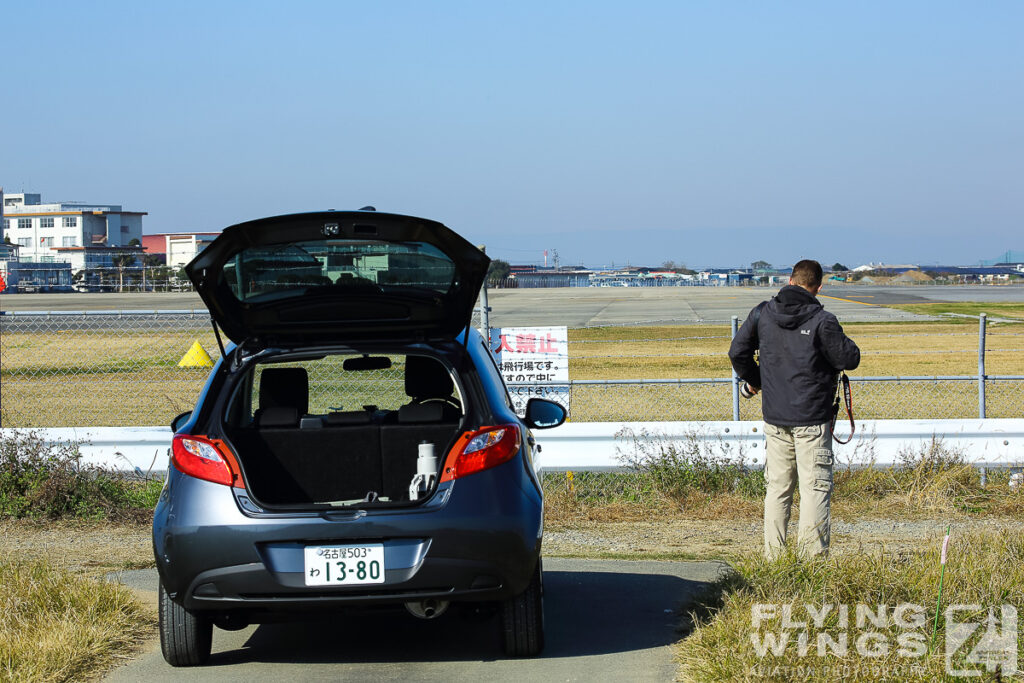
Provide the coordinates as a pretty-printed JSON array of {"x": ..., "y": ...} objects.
[
  {"x": 985, "y": 569},
  {"x": 99, "y": 377},
  {"x": 932, "y": 483},
  {"x": 888, "y": 350},
  {"x": 56, "y": 626},
  {"x": 88, "y": 547}
]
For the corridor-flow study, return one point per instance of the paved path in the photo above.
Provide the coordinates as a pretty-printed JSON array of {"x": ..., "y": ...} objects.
[{"x": 607, "y": 620}]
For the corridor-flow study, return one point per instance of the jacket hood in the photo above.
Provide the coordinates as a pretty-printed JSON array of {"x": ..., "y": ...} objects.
[{"x": 792, "y": 306}]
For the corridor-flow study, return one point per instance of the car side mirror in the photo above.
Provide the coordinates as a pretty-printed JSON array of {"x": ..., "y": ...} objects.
[
  {"x": 543, "y": 414},
  {"x": 177, "y": 422}
]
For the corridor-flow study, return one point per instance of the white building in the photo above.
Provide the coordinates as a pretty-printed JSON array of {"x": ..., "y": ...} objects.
[
  {"x": 178, "y": 247},
  {"x": 84, "y": 235}
]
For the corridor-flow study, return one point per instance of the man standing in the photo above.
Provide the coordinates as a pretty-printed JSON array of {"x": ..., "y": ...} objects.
[{"x": 801, "y": 348}]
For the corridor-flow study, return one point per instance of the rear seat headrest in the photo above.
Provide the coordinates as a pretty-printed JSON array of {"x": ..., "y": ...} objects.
[
  {"x": 426, "y": 378},
  {"x": 421, "y": 412},
  {"x": 354, "y": 417},
  {"x": 285, "y": 387},
  {"x": 278, "y": 416}
]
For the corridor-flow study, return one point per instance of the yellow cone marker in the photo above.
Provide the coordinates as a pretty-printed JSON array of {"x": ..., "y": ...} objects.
[{"x": 196, "y": 357}]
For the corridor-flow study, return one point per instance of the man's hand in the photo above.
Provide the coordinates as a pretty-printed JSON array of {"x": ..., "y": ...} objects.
[{"x": 747, "y": 391}]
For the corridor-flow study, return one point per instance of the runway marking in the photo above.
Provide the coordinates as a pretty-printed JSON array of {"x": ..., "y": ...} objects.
[{"x": 852, "y": 301}]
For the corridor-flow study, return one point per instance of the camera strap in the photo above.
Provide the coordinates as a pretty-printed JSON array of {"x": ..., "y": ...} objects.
[{"x": 843, "y": 386}]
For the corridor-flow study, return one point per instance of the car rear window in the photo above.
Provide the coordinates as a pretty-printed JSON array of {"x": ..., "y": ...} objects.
[{"x": 362, "y": 267}]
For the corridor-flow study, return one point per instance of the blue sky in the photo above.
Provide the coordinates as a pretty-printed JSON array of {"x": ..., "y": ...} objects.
[{"x": 709, "y": 133}]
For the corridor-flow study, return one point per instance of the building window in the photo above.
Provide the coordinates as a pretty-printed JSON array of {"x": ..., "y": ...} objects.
[
  {"x": 46, "y": 241},
  {"x": 24, "y": 241},
  {"x": 46, "y": 222},
  {"x": 70, "y": 221},
  {"x": 70, "y": 242},
  {"x": 25, "y": 223},
  {"x": 7, "y": 224}
]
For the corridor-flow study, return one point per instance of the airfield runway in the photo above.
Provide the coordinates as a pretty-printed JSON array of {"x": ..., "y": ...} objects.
[{"x": 594, "y": 306}]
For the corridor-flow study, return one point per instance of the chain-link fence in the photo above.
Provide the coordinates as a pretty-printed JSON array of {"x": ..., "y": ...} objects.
[
  {"x": 103, "y": 369},
  {"x": 127, "y": 369},
  {"x": 874, "y": 398}
]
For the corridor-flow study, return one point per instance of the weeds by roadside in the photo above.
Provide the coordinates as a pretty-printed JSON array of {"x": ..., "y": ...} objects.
[
  {"x": 55, "y": 626},
  {"x": 693, "y": 477},
  {"x": 40, "y": 479},
  {"x": 934, "y": 479}
]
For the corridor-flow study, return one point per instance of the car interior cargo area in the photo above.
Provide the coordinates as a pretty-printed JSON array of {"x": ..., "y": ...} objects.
[{"x": 343, "y": 430}]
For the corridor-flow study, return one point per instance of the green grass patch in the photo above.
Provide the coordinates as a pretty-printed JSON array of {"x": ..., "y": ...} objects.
[
  {"x": 48, "y": 480},
  {"x": 732, "y": 641},
  {"x": 56, "y": 626},
  {"x": 660, "y": 477},
  {"x": 1013, "y": 311}
]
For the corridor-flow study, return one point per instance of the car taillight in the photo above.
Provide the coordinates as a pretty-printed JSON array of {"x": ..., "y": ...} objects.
[
  {"x": 480, "y": 450},
  {"x": 208, "y": 459}
]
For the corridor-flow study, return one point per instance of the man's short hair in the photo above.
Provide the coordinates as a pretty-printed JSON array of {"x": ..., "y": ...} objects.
[{"x": 807, "y": 274}]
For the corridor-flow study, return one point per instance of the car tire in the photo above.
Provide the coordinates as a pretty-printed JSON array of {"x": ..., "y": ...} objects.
[
  {"x": 522, "y": 619},
  {"x": 185, "y": 637}
]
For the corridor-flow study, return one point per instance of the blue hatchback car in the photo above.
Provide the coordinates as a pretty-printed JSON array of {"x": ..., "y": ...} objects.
[{"x": 355, "y": 445}]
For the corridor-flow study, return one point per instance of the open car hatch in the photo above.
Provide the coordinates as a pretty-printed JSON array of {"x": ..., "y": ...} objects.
[{"x": 325, "y": 276}]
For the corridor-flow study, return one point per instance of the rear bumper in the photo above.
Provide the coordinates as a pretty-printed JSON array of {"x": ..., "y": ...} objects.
[
  {"x": 478, "y": 539},
  {"x": 252, "y": 587}
]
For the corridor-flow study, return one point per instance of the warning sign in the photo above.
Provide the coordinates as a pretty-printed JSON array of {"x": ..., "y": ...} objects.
[{"x": 531, "y": 359}]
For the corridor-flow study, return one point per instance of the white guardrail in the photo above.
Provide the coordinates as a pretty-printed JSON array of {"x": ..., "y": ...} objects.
[{"x": 601, "y": 445}]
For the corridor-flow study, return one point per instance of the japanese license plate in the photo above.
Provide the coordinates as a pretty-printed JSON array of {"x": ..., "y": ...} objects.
[{"x": 340, "y": 565}]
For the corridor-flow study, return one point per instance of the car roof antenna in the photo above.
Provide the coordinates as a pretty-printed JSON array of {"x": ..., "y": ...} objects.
[
  {"x": 368, "y": 208},
  {"x": 216, "y": 332}
]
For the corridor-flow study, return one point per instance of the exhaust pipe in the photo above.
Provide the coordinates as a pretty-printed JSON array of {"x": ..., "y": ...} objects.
[
  {"x": 230, "y": 621},
  {"x": 431, "y": 608}
]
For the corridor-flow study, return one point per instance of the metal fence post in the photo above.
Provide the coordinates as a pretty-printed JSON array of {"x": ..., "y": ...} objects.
[
  {"x": 485, "y": 310},
  {"x": 735, "y": 377},
  {"x": 982, "y": 320}
]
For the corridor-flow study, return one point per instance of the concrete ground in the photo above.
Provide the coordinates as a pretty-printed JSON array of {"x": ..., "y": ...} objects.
[
  {"x": 593, "y": 306},
  {"x": 606, "y": 620},
  {"x": 578, "y": 307}
]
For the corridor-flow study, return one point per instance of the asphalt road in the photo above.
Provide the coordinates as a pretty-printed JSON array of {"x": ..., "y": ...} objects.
[
  {"x": 606, "y": 620},
  {"x": 590, "y": 306}
]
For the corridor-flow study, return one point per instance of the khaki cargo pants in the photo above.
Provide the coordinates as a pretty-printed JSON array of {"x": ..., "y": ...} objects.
[{"x": 806, "y": 451}]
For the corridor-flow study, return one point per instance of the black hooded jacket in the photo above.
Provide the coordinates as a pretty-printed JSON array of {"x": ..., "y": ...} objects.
[{"x": 802, "y": 349}]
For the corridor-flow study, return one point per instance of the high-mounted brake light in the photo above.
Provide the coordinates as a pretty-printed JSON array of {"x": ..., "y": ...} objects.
[
  {"x": 480, "y": 450},
  {"x": 207, "y": 459}
]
